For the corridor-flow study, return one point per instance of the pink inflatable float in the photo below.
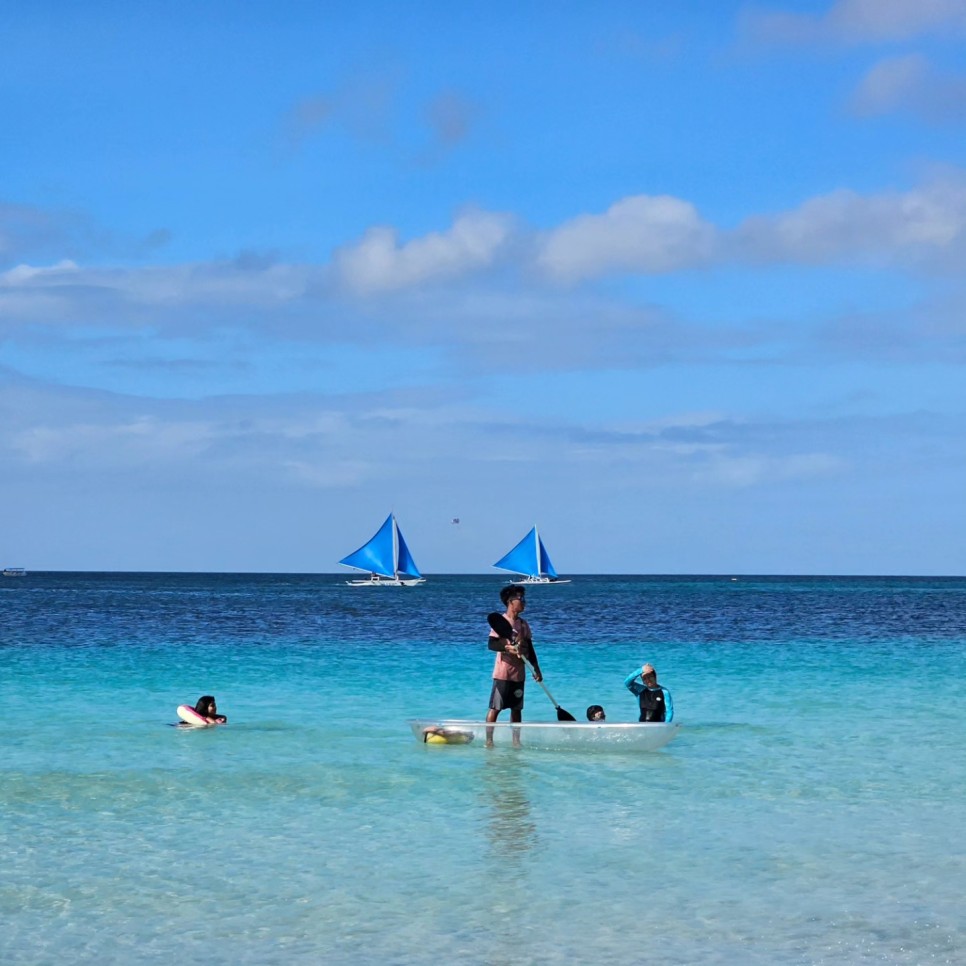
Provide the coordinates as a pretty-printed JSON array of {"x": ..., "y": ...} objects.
[{"x": 189, "y": 716}]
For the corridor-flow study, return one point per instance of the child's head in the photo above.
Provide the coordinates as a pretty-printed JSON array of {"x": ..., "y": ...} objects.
[
  {"x": 595, "y": 713},
  {"x": 206, "y": 705}
]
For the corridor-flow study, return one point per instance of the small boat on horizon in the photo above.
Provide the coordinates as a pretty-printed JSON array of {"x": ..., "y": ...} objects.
[
  {"x": 386, "y": 558},
  {"x": 529, "y": 559},
  {"x": 14, "y": 572}
]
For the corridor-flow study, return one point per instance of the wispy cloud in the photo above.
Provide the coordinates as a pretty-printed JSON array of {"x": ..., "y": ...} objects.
[
  {"x": 909, "y": 84},
  {"x": 363, "y": 107},
  {"x": 372, "y": 109},
  {"x": 856, "y": 22},
  {"x": 930, "y": 331},
  {"x": 451, "y": 116},
  {"x": 311, "y": 437},
  {"x": 316, "y": 441},
  {"x": 68, "y": 294},
  {"x": 28, "y": 231},
  {"x": 34, "y": 232},
  {"x": 636, "y": 45},
  {"x": 923, "y": 227},
  {"x": 713, "y": 451}
]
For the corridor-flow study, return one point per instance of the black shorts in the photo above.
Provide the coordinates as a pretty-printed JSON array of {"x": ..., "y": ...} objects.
[{"x": 507, "y": 695}]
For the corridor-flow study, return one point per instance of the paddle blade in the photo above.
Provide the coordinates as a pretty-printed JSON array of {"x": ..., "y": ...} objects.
[
  {"x": 500, "y": 624},
  {"x": 564, "y": 715}
]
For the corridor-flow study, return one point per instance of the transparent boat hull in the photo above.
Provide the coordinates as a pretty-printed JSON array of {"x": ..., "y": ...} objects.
[{"x": 589, "y": 735}]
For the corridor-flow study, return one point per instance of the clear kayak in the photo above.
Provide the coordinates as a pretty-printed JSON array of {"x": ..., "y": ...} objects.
[{"x": 579, "y": 735}]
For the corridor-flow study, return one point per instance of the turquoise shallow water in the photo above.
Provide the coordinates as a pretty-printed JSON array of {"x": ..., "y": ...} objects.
[{"x": 809, "y": 812}]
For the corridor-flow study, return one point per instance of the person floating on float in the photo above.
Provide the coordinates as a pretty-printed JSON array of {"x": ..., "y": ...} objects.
[{"x": 203, "y": 714}]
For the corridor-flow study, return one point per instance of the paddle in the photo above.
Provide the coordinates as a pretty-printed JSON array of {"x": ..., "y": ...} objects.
[{"x": 505, "y": 629}]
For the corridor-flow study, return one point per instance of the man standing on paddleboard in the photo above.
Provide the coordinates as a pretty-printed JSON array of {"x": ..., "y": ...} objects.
[{"x": 510, "y": 666}]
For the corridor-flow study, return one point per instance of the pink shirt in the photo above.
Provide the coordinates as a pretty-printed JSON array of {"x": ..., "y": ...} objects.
[{"x": 506, "y": 667}]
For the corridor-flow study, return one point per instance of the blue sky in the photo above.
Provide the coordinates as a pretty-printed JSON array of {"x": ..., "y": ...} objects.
[{"x": 682, "y": 284}]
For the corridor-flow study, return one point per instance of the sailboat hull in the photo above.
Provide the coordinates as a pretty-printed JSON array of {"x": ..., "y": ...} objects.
[
  {"x": 540, "y": 580},
  {"x": 387, "y": 582}
]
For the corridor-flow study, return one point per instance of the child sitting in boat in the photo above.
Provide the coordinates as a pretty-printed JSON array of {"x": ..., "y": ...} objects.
[{"x": 596, "y": 713}]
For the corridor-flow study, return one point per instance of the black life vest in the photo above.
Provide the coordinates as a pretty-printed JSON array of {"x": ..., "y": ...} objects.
[{"x": 652, "y": 704}]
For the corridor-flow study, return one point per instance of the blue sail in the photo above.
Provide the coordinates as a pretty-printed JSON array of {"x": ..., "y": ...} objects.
[
  {"x": 405, "y": 564},
  {"x": 528, "y": 557},
  {"x": 385, "y": 553},
  {"x": 546, "y": 567}
]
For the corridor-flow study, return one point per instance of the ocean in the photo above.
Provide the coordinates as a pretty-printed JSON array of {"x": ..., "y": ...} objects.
[{"x": 809, "y": 811}]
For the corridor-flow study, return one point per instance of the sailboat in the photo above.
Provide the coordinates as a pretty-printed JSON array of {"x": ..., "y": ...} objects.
[
  {"x": 386, "y": 558},
  {"x": 530, "y": 559}
]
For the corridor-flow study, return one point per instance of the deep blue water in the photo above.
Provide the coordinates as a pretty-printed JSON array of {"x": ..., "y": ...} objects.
[{"x": 809, "y": 811}]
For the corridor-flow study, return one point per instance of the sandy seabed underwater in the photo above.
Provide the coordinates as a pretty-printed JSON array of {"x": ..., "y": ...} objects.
[{"x": 810, "y": 811}]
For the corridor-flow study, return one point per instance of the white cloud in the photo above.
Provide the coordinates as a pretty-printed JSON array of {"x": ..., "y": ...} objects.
[
  {"x": 926, "y": 225},
  {"x": 908, "y": 83},
  {"x": 644, "y": 233},
  {"x": 379, "y": 263},
  {"x": 68, "y": 293},
  {"x": 325, "y": 474},
  {"x": 134, "y": 442},
  {"x": 523, "y": 316},
  {"x": 308, "y": 437},
  {"x": 858, "y": 21},
  {"x": 889, "y": 84},
  {"x": 28, "y": 274},
  {"x": 26, "y": 230},
  {"x": 759, "y": 469}
]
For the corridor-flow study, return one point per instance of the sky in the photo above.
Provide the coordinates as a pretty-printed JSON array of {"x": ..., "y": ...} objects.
[{"x": 684, "y": 285}]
